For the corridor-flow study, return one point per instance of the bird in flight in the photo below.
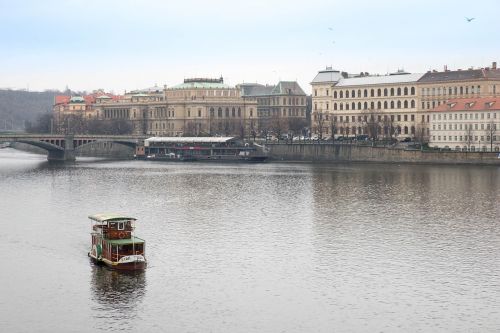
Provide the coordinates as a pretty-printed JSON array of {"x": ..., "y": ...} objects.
[{"x": 470, "y": 19}]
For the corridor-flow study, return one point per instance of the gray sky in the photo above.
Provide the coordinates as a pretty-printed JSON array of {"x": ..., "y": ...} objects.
[{"x": 127, "y": 44}]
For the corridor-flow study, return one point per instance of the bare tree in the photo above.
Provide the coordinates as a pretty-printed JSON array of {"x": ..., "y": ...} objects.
[
  {"x": 491, "y": 130},
  {"x": 421, "y": 134},
  {"x": 277, "y": 126},
  {"x": 296, "y": 126},
  {"x": 372, "y": 124},
  {"x": 333, "y": 127},
  {"x": 468, "y": 135},
  {"x": 319, "y": 123}
]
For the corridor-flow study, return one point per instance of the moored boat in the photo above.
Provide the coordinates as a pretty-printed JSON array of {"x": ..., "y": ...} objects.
[
  {"x": 201, "y": 149},
  {"x": 114, "y": 243}
]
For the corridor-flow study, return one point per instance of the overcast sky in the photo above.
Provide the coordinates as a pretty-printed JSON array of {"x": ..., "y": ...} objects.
[{"x": 122, "y": 45}]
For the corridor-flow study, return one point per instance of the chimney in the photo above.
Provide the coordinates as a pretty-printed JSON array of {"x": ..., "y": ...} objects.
[
  {"x": 494, "y": 65},
  {"x": 445, "y": 68}
]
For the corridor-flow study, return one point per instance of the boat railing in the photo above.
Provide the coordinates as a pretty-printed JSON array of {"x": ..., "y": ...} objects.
[{"x": 117, "y": 257}]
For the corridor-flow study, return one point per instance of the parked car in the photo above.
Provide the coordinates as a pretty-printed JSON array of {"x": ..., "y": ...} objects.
[
  {"x": 362, "y": 137},
  {"x": 407, "y": 139}
]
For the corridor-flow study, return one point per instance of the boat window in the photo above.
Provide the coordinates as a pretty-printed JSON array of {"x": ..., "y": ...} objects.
[{"x": 121, "y": 225}]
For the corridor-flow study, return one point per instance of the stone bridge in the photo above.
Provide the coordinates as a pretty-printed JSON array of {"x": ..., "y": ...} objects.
[{"x": 62, "y": 147}]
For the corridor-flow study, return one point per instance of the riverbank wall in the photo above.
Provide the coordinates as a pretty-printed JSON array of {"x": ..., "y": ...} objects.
[
  {"x": 358, "y": 153},
  {"x": 94, "y": 149}
]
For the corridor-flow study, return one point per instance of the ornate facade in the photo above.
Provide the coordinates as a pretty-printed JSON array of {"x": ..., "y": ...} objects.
[{"x": 394, "y": 105}]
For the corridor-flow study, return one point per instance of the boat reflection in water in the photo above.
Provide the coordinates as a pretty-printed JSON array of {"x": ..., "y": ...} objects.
[
  {"x": 203, "y": 149},
  {"x": 116, "y": 296}
]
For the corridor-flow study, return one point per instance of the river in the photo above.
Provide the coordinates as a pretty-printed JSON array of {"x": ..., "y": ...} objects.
[{"x": 252, "y": 247}]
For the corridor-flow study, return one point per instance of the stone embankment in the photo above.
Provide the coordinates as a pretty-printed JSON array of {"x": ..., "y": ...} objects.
[{"x": 358, "y": 153}]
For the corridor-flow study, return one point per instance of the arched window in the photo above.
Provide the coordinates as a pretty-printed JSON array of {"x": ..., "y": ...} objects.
[
  {"x": 239, "y": 112},
  {"x": 379, "y": 105},
  {"x": 399, "y": 104},
  {"x": 353, "y": 130},
  {"x": 385, "y": 104},
  {"x": 353, "y": 105},
  {"x": 399, "y": 91},
  {"x": 405, "y": 91},
  {"x": 334, "y": 94},
  {"x": 341, "y": 94},
  {"x": 392, "y": 104},
  {"x": 233, "y": 112},
  {"x": 372, "y": 105},
  {"x": 227, "y": 112},
  {"x": 366, "y": 93},
  {"x": 219, "y": 112},
  {"x": 359, "y": 105},
  {"x": 335, "y": 106},
  {"x": 379, "y": 92},
  {"x": 406, "y": 129},
  {"x": 347, "y": 106},
  {"x": 385, "y": 91},
  {"x": 412, "y": 103},
  {"x": 392, "y": 91},
  {"x": 366, "y": 105},
  {"x": 413, "y": 130},
  {"x": 372, "y": 93},
  {"x": 405, "y": 104},
  {"x": 412, "y": 91},
  {"x": 347, "y": 94},
  {"x": 353, "y": 93},
  {"x": 359, "y": 130},
  {"x": 359, "y": 92},
  {"x": 341, "y": 105},
  {"x": 212, "y": 112}
]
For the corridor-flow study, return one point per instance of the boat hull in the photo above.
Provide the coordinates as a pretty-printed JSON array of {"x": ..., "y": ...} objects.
[{"x": 120, "y": 266}]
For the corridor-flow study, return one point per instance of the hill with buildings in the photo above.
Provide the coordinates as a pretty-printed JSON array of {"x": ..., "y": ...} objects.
[{"x": 18, "y": 108}]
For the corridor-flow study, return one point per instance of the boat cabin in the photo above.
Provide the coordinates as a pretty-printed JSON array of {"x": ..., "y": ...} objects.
[{"x": 113, "y": 242}]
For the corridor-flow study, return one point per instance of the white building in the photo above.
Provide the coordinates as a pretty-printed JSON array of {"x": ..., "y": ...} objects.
[{"x": 467, "y": 124}]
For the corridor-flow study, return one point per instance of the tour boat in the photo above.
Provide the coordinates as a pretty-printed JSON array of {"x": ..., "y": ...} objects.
[
  {"x": 200, "y": 149},
  {"x": 114, "y": 244}
]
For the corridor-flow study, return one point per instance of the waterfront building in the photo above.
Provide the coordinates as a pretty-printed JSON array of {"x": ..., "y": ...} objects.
[
  {"x": 374, "y": 105},
  {"x": 196, "y": 107},
  {"x": 466, "y": 124},
  {"x": 437, "y": 88},
  {"x": 202, "y": 106},
  {"x": 393, "y": 105},
  {"x": 281, "y": 108}
]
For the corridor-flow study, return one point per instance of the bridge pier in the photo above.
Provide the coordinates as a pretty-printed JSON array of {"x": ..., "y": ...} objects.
[{"x": 65, "y": 155}]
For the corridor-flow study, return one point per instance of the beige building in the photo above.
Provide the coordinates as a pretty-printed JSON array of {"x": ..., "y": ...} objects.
[
  {"x": 195, "y": 107},
  {"x": 394, "y": 105},
  {"x": 374, "y": 105},
  {"x": 466, "y": 124},
  {"x": 281, "y": 108},
  {"x": 205, "y": 107},
  {"x": 436, "y": 88}
]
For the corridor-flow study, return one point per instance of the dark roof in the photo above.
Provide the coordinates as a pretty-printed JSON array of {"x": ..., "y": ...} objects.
[
  {"x": 465, "y": 75},
  {"x": 288, "y": 88},
  {"x": 282, "y": 88},
  {"x": 492, "y": 74},
  {"x": 255, "y": 89}
]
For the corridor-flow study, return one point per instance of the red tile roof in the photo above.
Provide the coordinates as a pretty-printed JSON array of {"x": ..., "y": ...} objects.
[
  {"x": 61, "y": 99},
  {"x": 89, "y": 99},
  {"x": 469, "y": 104}
]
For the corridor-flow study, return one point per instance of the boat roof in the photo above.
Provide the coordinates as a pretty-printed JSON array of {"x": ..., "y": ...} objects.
[
  {"x": 134, "y": 240},
  {"x": 103, "y": 217},
  {"x": 184, "y": 139}
]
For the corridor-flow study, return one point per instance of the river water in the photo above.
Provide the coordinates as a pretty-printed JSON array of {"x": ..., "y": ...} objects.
[{"x": 252, "y": 247}]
